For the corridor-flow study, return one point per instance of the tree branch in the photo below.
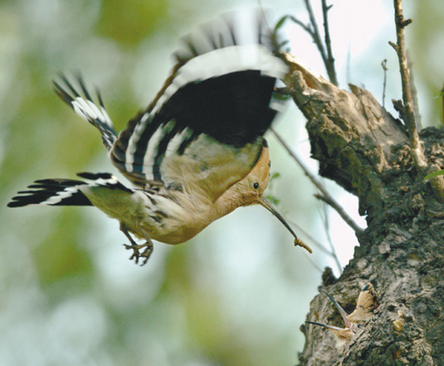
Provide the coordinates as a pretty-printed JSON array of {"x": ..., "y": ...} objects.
[
  {"x": 313, "y": 30},
  {"x": 326, "y": 196},
  {"x": 437, "y": 183},
  {"x": 340, "y": 210},
  {"x": 409, "y": 114},
  {"x": 330, "y": 61}
]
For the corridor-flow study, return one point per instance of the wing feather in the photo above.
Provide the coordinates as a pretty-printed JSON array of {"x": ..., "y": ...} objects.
[{"x": 205, "y": 128}]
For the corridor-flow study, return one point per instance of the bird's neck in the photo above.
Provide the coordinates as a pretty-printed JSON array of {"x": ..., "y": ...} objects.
[{"x": 228, "y": 202}]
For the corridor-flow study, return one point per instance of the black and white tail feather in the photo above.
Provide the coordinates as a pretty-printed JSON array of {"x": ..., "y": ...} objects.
[
  {"x": 66, "y": 192},
  {"x": 202, "y": 133}
]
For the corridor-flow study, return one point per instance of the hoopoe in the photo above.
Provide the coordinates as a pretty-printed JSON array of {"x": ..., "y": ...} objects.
[
  {"x": 195, "y": 154},
  {"x": 366, "y": 304}
]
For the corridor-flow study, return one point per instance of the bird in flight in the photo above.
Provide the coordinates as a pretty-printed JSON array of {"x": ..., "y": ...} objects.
[{"x": 194, "y": 155}]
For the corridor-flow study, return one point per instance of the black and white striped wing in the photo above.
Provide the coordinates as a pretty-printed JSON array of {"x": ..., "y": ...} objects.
[{"x": 205, "y": 127}]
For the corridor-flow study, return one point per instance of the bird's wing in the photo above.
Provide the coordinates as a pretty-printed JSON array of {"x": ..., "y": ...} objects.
[
  {"x": 205, "y": 127},
  {"x": 85, "y": 107}
]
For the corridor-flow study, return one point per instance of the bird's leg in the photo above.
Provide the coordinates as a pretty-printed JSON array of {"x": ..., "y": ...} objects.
[
  {"x": 134, "y": 246},
  {"x": 148, "y": 245}
]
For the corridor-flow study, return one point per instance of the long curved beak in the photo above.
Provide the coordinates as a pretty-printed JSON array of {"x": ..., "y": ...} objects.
[
  {"x": 345, "y": 334},
  {"x": 341, "y": 310},
  {"x": 331, "y": 327},
  {"x": 264, "y": 203}
]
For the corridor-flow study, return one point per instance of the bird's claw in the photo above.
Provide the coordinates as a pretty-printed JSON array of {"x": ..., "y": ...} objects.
[{"x": 136, "y": 252}]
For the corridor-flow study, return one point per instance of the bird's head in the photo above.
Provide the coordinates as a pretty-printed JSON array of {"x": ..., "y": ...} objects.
[{"x": 252, "y": 187}]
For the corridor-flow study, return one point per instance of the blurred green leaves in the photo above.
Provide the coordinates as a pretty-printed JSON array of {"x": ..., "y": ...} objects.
[
  {"x": 131, "y": 21},
  {"x": 59, "y": 257},
  {"x": 270, "y": 197}
]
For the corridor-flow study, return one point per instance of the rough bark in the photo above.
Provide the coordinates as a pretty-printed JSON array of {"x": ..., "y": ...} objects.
[{"x": 366, "y": 150}]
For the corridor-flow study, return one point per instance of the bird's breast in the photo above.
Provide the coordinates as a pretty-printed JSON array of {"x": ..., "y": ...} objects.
[{"x": 172, "y": 220}]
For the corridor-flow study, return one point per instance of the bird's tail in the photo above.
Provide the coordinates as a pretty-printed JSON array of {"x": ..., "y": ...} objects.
[
  {"x": 52, "y": 192},
  {"x": 85, "y": 107},
  {"x": 66, "y": 192}
]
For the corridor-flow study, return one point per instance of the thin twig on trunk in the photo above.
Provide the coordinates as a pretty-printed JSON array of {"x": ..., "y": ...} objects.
[
  {"x": 327, "y": 196},
  {"x": 384, "y": 85},
  {"x": 414, "y": 92}
]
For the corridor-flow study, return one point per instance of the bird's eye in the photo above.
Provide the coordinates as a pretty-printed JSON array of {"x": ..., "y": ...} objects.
[{"x": 255, "y": 185}]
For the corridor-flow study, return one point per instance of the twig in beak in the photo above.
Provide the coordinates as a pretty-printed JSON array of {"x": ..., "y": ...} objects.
[{"x": 263, "y": 202}]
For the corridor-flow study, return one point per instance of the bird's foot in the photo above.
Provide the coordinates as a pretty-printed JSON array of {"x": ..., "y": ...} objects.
[
  {"x": 136, "y": 247},
  {"x": 137, "y": 254}
]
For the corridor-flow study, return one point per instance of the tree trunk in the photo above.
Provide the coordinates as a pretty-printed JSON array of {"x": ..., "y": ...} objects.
[{"x": 364, "y": 149}]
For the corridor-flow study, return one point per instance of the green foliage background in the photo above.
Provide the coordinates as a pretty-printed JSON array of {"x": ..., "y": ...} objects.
[{"x": 236, "y": 295}]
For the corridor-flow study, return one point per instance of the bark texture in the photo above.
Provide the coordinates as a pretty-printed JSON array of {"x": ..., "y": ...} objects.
[{"x": 366, "y": 150}]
